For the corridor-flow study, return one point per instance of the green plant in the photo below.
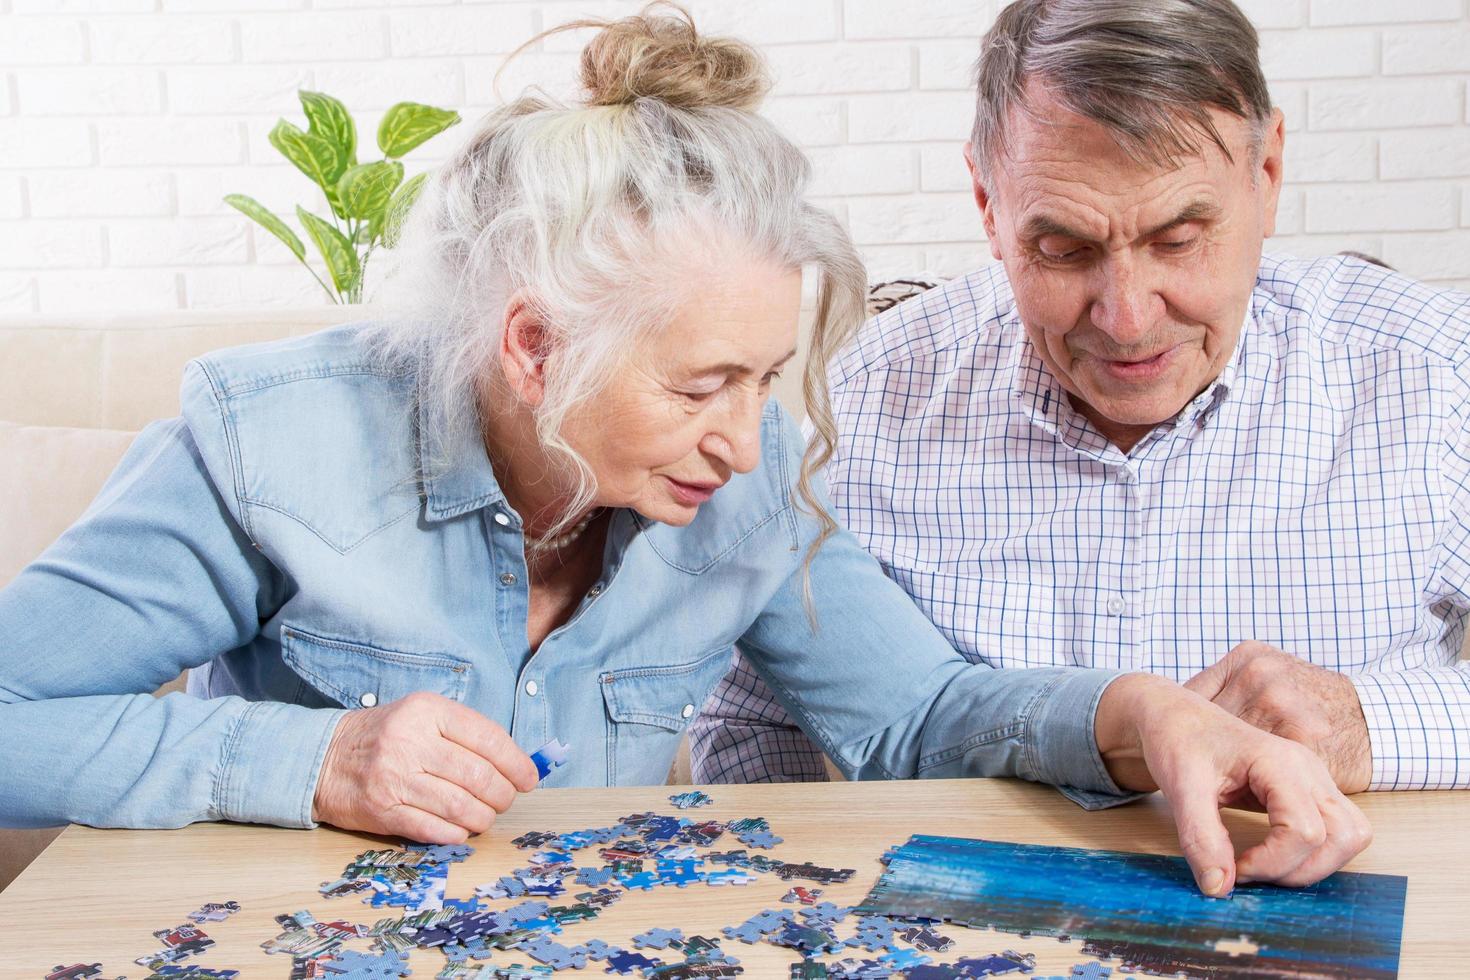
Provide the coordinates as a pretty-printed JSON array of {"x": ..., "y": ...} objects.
[{"x": 367, "y": 200}]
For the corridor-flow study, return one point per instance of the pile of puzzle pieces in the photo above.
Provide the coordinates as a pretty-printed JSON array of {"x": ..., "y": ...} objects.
[{"x": 640, "y": 852}]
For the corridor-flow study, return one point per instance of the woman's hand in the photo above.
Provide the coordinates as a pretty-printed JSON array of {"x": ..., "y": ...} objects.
[
  {"x": 425, "y": 768},
  {"x": 1154, "y": 734}
]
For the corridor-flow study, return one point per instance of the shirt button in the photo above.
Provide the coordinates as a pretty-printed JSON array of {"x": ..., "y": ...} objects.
[
  {"x": 368, "y": 700},
  {"x": 595, "y": 591},
  {"x": 688, "y": 710},
  {"x": 531, "y": 688},
  {"x": 501, "y": 519},
  {"x": 1116, "y": 605},
  {"x": 507, "y": 578}
]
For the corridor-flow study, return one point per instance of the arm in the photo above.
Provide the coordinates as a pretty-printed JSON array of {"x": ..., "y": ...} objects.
[
  {"x": 743, "y": 735},
  {"x": 156, "y": 576},
  {"x": 877, "y": 686},
  {"x": 1418, "y": 720}
]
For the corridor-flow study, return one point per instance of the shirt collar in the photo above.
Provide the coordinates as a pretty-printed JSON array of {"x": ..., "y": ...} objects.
[
  {"x": 455, "y": 472},
  {"x": 1043, "y": 399}
]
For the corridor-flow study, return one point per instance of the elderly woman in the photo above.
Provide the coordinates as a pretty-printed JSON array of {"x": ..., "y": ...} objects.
[{"x": 397, "y": 555}]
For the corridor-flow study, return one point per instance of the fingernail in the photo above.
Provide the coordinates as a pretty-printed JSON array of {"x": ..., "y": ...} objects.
[{"x": 1212, "y": 882}]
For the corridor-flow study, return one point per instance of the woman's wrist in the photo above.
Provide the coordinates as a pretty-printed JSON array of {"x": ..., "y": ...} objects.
[{"x": 1125, "y": 706}]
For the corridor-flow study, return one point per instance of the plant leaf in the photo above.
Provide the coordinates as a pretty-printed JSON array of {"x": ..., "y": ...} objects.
[
  {"x": 341, "y": 258},
  {"x": 365, "y": 190},
  {"x": 390, "y": 222},
  {"x": 408, "y": 124},
  {"x": 329, "y": 119},
  {"x": 317, "y": 157},
  {"x": 252, "y": 208}
]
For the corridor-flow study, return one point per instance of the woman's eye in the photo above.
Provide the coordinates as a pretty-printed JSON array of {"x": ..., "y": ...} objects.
[
  {"x": 699, "y": 396},
  {"x": 770, "y": 377}
]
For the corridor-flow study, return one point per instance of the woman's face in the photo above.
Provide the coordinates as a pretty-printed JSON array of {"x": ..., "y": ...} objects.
[{"x": 683, "y": 414}]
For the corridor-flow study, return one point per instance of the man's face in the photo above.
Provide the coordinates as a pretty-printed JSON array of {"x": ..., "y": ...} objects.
[{"x": 1132, "y": 280}]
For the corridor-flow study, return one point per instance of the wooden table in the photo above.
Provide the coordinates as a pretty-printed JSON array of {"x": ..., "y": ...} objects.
[{"x": 97, "y": 895}]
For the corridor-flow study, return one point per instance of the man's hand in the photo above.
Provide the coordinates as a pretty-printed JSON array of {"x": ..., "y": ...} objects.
[
  {"x": 1290, "y": 697},
  {"x": 1154, "y": 734},
  {"x": 425, "y": 768}
]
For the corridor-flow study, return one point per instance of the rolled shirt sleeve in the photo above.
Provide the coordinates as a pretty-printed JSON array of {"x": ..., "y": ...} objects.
[
  {"x": 156, "y": 577},
  {"x": 880, "y": 690}
]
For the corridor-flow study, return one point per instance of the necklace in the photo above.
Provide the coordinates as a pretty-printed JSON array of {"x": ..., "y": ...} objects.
[{"x": 565, "y": 538}]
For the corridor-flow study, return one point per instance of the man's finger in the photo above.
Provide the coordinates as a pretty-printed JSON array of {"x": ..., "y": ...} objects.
[
  {"x": 469, "y": 728},
  {"x": 1297, "y": 826},
  {"x": 1202, "y": 835},
  {"x": 1348, "y": 833},
  {"x": 1208, "y": 682}
]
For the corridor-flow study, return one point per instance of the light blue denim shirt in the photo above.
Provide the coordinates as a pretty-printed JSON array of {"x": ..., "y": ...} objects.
[{"x": 281, "y": 540}]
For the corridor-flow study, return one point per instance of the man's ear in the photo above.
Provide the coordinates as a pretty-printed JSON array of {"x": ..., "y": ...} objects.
[
  {"x": 1270, "y": 169},
  {"x": 983, "y": 201},
  {"x": 525, "y": 341}
]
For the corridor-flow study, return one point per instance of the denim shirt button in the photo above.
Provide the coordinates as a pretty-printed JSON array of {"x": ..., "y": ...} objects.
[
  {"x": 595, "y": 591},
  {"x": 507, "y": 578},
  {"x": 501, "y": 519},
  {"x": 531, "y": 688},
  {"x": 688, "y": 710},
  {"x": 368, "y": 700}
]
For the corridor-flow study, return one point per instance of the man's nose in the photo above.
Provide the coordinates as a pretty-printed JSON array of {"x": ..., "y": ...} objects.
[{"x": 1126, "y": 303}]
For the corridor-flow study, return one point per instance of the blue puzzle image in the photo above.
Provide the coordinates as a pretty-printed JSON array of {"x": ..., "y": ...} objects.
[{"x": 1144, "y": 912}]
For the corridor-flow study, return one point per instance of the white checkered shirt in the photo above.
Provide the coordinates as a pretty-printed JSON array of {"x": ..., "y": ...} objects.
[{"x": 1315, "y": 497}]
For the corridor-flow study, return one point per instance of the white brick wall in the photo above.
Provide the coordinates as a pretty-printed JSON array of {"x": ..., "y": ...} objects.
[{"x": 124, "y": 122}]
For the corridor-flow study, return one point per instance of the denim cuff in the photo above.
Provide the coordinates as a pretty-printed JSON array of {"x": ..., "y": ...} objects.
[
  {"x": 271, "y": 763},
  {"x": 1064, "y": 740}
]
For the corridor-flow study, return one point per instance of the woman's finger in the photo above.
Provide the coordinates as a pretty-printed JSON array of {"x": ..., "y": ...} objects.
[
  {"x": 472, "y": 772},
  {"x": 450, "y": 801}
]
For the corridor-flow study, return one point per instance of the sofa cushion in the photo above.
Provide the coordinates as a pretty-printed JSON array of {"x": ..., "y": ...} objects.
[
  {"x": 48, "y": 477},
  {"x": 122, "y": 372}
]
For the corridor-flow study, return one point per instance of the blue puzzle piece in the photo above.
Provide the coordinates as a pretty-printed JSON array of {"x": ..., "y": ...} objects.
[
  {"x": 760, "y": 838},
  {"x": 544, "y": 949},
  {"x": 550, "y": 756},
  {"x": 659, "y": 938},
  {"x": 628, "y": 962},
  {"x": 825, "y": 913},
  {"x": 599, "y": 950},
  {"x": 693, "y": 798},
  {"x": 441, "y": 853},
  {"x": 593, "y": 877},
  {"x": 904, "y": 959},
  {"x": 349, "y": 964}
]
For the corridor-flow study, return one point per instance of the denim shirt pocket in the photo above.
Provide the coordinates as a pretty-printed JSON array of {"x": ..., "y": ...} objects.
[
  {"x": 648, "y": 709},
  {"x": 357, "y": 675}
]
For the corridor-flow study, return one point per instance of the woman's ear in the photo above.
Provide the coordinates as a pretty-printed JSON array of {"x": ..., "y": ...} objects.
[{"x": 525, "y": 342}]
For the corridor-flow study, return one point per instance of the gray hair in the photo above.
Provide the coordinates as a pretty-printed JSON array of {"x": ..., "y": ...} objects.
[
  {"x": 1148, "y": 70},
  {"x": 596, "y": 210}
]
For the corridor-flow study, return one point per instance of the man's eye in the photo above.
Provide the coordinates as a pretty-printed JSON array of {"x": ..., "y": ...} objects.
[
  {"x": 1179, "y": 245},
  {"x": 1062, "y": 254}
]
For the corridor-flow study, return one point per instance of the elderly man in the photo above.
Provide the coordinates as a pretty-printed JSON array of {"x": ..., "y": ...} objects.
[{"x": 1139, "y": 444}]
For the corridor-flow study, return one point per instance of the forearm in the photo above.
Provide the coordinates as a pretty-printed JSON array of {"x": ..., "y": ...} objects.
[
  {"x": 140, "y": 761},
  {"x": 1418, "y": 727}
]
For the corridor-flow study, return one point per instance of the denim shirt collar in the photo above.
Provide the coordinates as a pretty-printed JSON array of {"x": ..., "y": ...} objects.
[{"x": 464, "y": 480}]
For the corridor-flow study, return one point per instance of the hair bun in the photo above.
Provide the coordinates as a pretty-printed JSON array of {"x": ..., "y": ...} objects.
[{"x": 663, "y": 57}]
